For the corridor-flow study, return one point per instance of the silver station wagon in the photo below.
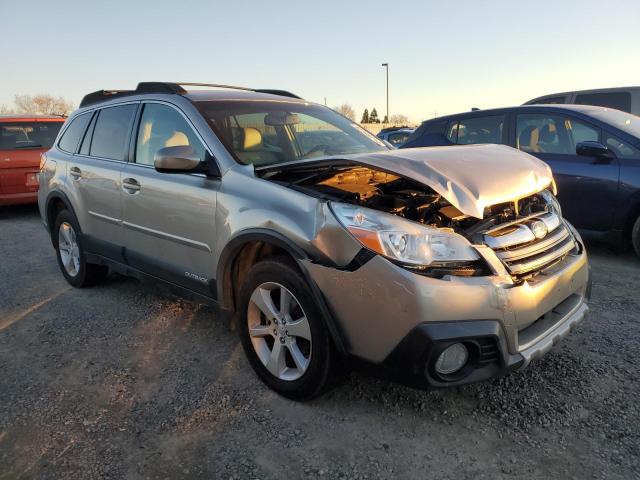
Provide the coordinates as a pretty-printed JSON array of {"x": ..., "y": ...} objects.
[{"x": 435, "y": 266}]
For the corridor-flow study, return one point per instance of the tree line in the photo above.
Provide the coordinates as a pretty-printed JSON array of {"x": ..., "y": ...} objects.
[
  {"x": 348, "y": 111},
  {"x": 41, "y": 104}
]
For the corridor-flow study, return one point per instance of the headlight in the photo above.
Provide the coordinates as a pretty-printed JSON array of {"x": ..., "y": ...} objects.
[
  {"x": 403, "y": 240},
  {"x": 552, "y": 202}
]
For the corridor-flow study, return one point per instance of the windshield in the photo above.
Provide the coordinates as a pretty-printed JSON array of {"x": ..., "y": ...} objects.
[
  {"x": 270, "y": 132},
  {"x": 23, "y": 135},
  {"x": 624, "y": 121}
]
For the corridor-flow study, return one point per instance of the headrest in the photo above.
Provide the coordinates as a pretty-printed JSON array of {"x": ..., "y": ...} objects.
[
  {"x": 548, "y": 133},
  {"x": 526, "y": 137},
  {"x": 252, "y": 138}
]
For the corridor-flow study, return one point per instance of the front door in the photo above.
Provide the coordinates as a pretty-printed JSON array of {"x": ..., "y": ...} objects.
[
  {"x": 169, "y": 219},
  {"x": 587, "y": 186}
]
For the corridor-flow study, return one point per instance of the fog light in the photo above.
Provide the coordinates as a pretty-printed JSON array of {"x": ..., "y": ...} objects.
[{"x": 452, "y": 359}]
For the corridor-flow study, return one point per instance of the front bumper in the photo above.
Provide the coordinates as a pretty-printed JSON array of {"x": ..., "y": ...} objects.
[{"x": 394, "y": 318}]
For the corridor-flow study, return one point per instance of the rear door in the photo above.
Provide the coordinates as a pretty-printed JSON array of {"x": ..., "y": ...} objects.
[
  {"x": 95, "y": 178},
  {"x": 169, "y": 219},
  {"x": 587, "y": 186}
]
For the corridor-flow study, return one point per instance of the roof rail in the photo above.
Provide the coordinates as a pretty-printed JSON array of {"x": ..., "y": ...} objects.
[
  {"x": 169, "y": 87},
  {"x": 282, "y": 93}
]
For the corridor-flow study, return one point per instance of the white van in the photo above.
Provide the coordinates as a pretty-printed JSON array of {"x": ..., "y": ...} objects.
[{"x": 626, "y": 99}]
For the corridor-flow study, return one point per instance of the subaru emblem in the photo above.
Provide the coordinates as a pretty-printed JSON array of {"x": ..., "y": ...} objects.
[{"x": 539, "y": 229}]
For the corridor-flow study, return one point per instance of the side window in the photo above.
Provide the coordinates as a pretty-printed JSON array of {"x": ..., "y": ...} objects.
[
  {"x": 73, "y": 133},
  {"x": 621, "y": 148},
  {"x": 86, "y": 141},
  {"x": 477, "y": 130},
  {"x": 111, "y": 132},
  {"x": 617, "y": 100},
  {"x": 162, "y": 126},
  {"x": 551, "y": 100},
  {"x": 542, "y": 133}
]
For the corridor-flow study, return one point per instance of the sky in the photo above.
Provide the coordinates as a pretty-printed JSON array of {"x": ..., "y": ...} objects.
[{"x": 444, "y": 56}]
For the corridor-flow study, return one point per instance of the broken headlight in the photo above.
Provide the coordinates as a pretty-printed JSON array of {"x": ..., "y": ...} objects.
[
  {"x": 552, "y": 202},
  {"x": 403, "y": 240}
]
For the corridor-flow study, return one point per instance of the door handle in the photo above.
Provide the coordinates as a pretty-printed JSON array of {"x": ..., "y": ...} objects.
[
  {"x": 131, "y": 185},
  {"x": 75, "y": 173}
]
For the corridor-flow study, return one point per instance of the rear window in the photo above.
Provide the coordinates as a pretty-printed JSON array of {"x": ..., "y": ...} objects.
[
  {"x": 71, "y": 136},
  {"x": 25, "y": 135},
  {"x": 617, "y": 100},
  {"x": 111, "y": 133}
]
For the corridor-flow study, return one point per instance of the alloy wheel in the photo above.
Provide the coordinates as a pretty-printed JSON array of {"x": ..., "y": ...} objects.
[
  {"x": 69, "y": 249},
  {"x": 279, "y": 331}
]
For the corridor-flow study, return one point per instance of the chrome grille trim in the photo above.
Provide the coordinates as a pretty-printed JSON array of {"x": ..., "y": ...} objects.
[
  {"x": 535, "y": 248},
  {"x": 540, "y": 261},
  {"x": 522, "y": 253}
]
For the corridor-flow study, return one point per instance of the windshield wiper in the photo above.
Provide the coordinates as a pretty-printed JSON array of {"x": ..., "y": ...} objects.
[{"x": 37, "y": 145}]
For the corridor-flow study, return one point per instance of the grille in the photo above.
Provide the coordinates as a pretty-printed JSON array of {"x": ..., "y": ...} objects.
[
  {"x": 522, "y": 251},
  {"x": 488, "y": 353}
]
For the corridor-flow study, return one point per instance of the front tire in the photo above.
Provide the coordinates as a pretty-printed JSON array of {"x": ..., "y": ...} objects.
[
  {"x": 282, "y": 330},
  {"x": 635, "y": 236},
  {"x": 67, "y": 241}
]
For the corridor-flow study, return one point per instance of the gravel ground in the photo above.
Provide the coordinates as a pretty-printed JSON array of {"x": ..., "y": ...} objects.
[{"x": 124, "y": 381}]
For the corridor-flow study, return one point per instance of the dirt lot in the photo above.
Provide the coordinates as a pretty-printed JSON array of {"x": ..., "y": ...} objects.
[{"x": 123, "y": 381}]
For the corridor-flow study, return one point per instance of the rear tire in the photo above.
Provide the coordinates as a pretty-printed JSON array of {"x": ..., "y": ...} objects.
[
  {"x": 277, "y": 347},
  {"x": 635, "y": 236},
  {"x": 68, "y": 243}
]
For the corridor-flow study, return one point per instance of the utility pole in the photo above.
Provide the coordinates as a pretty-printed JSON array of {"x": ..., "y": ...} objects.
[{"x": 386, "y": 66}]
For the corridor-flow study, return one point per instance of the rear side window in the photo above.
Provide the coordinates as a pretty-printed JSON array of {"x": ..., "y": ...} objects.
[
  {"x": 111, "y": 132},
  {"x": 617, "y": 100},
  {"x": 73, "y": 133},
  {"x": 477, "y": 130}
]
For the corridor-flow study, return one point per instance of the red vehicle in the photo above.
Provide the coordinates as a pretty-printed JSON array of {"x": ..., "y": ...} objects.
[{"x": 22, "y": 140}]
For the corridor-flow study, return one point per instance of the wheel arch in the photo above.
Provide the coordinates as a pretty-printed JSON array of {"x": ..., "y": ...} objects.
[
  {"x": 245, "y": 250},
  {"x": 56, "y": 202},
  {"x": 633, "y": 213}
]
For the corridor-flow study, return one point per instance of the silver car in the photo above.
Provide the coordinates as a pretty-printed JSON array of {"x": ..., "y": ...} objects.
[{"x": 437, "y": 266}]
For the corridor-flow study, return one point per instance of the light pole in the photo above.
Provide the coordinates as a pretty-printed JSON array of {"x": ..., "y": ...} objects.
[{"x": 386, "y": 66}]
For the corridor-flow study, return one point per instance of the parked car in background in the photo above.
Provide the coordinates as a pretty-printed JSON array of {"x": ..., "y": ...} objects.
[
  {"x": 626, "y": 99},
  {"x": 439, "y": 266},
  {"x": 396, "y": 136},
  {"x": 22, "y": 140},
  {"x": 594, "y": 153}
]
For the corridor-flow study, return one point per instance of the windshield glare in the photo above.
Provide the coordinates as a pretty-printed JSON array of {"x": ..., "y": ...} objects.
[
  {"x": 624, "y": 121},
  {"x": 24, "y": 135},
  {"x": 269, "y": 132}
]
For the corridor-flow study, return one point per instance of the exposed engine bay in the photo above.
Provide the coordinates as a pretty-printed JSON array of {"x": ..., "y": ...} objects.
[{"x": 379, "y": 190}]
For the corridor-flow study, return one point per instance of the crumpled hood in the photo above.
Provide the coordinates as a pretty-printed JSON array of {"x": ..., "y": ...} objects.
[{"x": 470, "y": 177}]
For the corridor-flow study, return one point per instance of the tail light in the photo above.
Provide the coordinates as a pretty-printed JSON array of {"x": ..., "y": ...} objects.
[{"x": 43, "y": 160}]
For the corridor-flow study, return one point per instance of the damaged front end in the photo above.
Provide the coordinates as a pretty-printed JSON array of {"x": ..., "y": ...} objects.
[
  {"x": 453, "y": 262},
  {"x": 413, "y": 225}
]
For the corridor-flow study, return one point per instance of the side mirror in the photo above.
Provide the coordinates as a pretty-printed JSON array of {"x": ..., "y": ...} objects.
[
  {"x": 178, "y": 159},
  {"x": 594, "y": 149}
]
